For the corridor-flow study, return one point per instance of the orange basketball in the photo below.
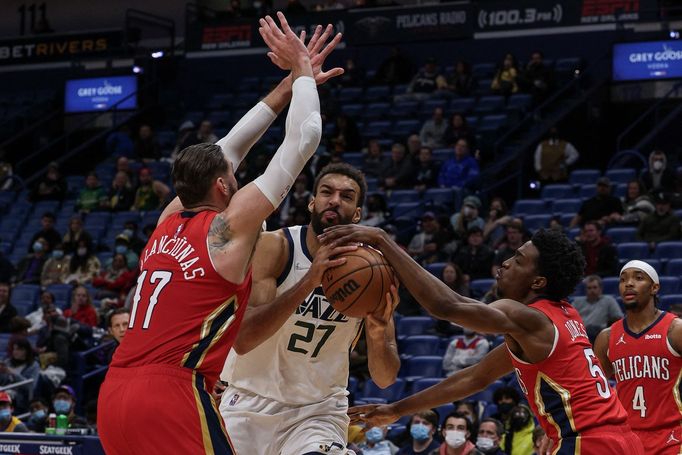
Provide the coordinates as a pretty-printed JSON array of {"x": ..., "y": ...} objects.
[{"x": 358, "y": 287}]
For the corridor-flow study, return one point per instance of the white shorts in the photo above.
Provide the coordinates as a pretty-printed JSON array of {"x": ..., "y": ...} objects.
[{"x": 261, "y": 426}]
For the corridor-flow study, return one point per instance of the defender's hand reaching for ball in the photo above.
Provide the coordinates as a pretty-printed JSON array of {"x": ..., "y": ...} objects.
[
  {"x": 287, "y": 50},
  {"x": 377, "y": 322},
  {"x": 352, "y": 233},
  {"x": 373, "y": 415},
  {"x": 326, "y": 258}
]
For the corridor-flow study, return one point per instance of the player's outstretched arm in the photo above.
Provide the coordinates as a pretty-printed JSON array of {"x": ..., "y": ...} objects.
[
  {"x": 382, "y": 348},
  {"x": 458, "y": 386},
  {"x": 267, "y": 311},
  {"x": 601, "y": 349}
]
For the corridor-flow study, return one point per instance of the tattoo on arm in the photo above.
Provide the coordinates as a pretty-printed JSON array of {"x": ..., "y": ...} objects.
[{"x": 219, "y": 235}]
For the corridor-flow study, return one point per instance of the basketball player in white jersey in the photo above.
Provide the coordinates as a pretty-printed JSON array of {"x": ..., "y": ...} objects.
[{"x": 288, "y": 395}]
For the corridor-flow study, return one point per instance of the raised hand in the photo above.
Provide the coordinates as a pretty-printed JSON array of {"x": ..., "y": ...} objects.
[
  {"x": 352, "y": 233},
  {"x": 287, "y": 51},
  {"x": 319, "y": 50},
  {"x": 378, "y": 321},
  {"x": 325, "y": 258}
]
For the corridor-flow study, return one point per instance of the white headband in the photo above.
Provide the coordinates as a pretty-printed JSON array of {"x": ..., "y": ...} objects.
[{"x": 644, "y": 267}]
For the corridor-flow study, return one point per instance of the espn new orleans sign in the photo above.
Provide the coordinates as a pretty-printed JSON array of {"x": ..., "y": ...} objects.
[{"x": 46, "y": 48}]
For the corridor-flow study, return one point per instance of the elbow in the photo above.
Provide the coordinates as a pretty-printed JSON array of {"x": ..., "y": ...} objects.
[
  {"x": 441, "y": 308},
  {"x": 386, "y": 380}
]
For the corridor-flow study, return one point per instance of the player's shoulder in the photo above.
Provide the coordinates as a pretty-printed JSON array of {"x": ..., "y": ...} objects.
[{"x": 272, "y": 253}]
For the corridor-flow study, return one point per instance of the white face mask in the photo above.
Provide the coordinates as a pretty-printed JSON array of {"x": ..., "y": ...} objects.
[
  {"x": 455, "y": 438},
  {"x": 658, "y": 165},
  {"x": 484, "y": 443}
]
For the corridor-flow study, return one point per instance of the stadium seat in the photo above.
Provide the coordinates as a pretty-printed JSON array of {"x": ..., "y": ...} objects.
[
  {"x": 377, "y": 93},
  {"x": 352, "y": 110},
  {"x": 489, "y": 104},
  {"x": 443, "y": 196},
  {"x": 489, "y": 411},
  {"x": 492, "y": 122},
  {"x": 424, "y": 383},
  {"x": 353, "y": 158},
  {"x": 610, "y": 285},
  {"x": 481, "y": 286},
  {"x": 521, "y": 101},
  {"x": 407, "y": 209},
  {"x": 567, "y": 64},
  {"x": 420, "y": 345},
  {"x": 674, "y": 267},
  {"x": 391, "y": 393},
  {"x": 444, "y": 411},
  {"x": 24, "y": 306},
  {"x": 669, "y": 285},
  {"x": 587, "y": 191},
  {"x": 25, "y": 292},
  {"x": 429, "y": 106},
  {"x": 404, "y": 110},
  {"x": 405, "y": 127},
  {"x": 557, "y": 191},
  {"x": 566, "y": 206},
  {"x": 529, "y": 207},
  {"x": 377, "y": 128},
  {"x": 462, "y": 105},
  {"x": 401, "y": 196},
  {"x": 395, "y": 431},
  {"x": 423, "y": 366},
  {"x": 535, "y": 222},
  {"x": 668, "y": 250},
  {"x": 622, "y": 234},
  {"x": 633, "y": 250},
  {"x": 584, "y": 176},
  {"x": 485, "y": 395},
  {"x": 61, "y": 292},
  {"x": 482, "y": 70},
  {"x": 415, "y": 325},
  {"x": 375, "y": 111},
  {"x": 667, "y": 300},
  {"x": 372, "y": 184},
  {"x": 436, "y": 268},
  {"x": 621, "y": 175}
]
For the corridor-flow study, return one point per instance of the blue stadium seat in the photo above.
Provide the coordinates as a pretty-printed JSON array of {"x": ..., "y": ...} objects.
[
  {"x": 481, "y": 286},
  {"x": 529, "y": 207},
  {"x": 377, "y": 93},
  {"x": 587, "y": 191},
  {"x": 24, "y": 292},
  {"x": 674, "y": 267},
  {"x": 411, "y": 209},
  {"x": 403, "y": 110},
  {"x": 61, "y": 292},
  {"x": 567, "y": 64},
  {"x": 489, "y": 411},
  {"x": 423, "y": 366},
  {"x": 375, "y": 111},
  {"x": 483, "y": 87},
  {"x": 492, "y": 122},
  {"x": 566, "y": 205},
  {"x": 633, "y": 250},
  {"x": 444, "y": 411},
  {"x": 24, "y": 306},
  {"x": 610, "y": 285},
  {"x": 353, "y": 158},
  {"x": 405, "y": 127},
  {"x": 391, "y": 393},
  {"x": 372, "y": 184},
  {"x": 521, "y": 101},
  {"x": 621, "y": 175},
  {"x": 415, "y": 325},
  {"x": 104, "y": 257},
  {"x": 395, "y": 431},
  {"x": 429, "y": 106},
  {"x": 667, "y": 300},
  {"x": 489, "y": 104},
  {"x": 444, "y": 196},
  {"x": 479, "y": 70},
  {"x": 424, "y": 383},
  {"x": 436, "y": 268},
  {"x": 535, "y": 222},
  {"x": 352, "y": 110},
  {"x": 419, "y": 345},
  {"x": 668, "y": 250},
  {"x": 485, "y": 395},
  {"x": 622, "y": 234},
  {"x": 557, "y": 191},
  {"x": 346, "y": 94},
  {"x": 669, "y": 284},
  {"x": 443, "y": 154},
  {"x": 584, "y": 176},
  {"x": 462, "y": 105},
  {"x": 621, "y": 190},
  {"x": 377, "y": 128},
  {"x": 400, "y": 196}
]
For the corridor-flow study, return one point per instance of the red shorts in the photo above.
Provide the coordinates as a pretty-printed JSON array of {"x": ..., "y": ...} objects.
[
  {"x": 605, "y": 440},
  {"x": 666, "y": 441},
  {"x": 159, "y": 409}
]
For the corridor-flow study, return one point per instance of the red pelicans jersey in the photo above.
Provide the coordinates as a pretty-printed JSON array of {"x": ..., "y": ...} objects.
[
  {"x": 183, "y": 313},
  {"x": 647, "y": 369},
  {"x": 568, "y": 391}
]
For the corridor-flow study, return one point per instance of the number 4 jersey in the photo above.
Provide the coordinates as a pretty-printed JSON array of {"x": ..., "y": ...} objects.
[
  {"x": 647, "y": 370},
  {"x": 568, "y": 391},
  {"x": 183, "y": 313},
  {"x": 306, "y": 360}
]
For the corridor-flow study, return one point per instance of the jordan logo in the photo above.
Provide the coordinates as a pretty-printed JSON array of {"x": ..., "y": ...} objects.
[
  {"x": 621, "y": 340},
  {"x": 672, "y": 438}
]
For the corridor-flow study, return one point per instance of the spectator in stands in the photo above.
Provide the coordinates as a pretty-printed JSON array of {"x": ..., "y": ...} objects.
[
  {"x": 490, "y": 433},
  {"x": 662, "y": 225},
  {"x": 64, "y": 403},
  {"x": 121, "y": 193},
  {"x": 514, "y": 238},
  {"x": 460, "y": 81},
  {"x": 424, "y": 83},
  {"x": 425, "y": 246},
  {"x": 119, "y": 143},
  {"x": 117, "y": 324},
  {"x": 462, "y": 170},
  {"x": 496, "y": 222},
  {"x": 52, "y": 187},
  {"x": 636, "y": 204},
  {"x": 84, "y": 265},
  {"x": 538, "y": 436},
  {"x": 82, "y": 309},
  {"x": 18, "y": 329},
  {"x": 48, "y": 232},
  {"x": 506, "y": 398},
  {"x": 123, "y": 165},
  {"x": 427, "y": 170},
  {"x": 345, "y": 136},
  {"x": 8, "y": 422},
  {"x": 505, "y": 81},
  {"x": 433, "y": 131},
  {"x": 457, "y": 432},
  {"x": 37, "y": 420},
  {"x": 146, "y": 146},
  {"x": 375, "y": 212},
  {"x": 396, "y": 69},
  {"x": 464, "y": 350},
  {"x": 185, "y": 131},
  {"x": 353, "y": 75},
  {"x": 31, "y": 266},
  {"x": 7, "y": 310},
  {"x": 373, "y": 160},
  {"x": 467, "y": 217},
  {"x": 203, "y": 134},
  {"x": 122, "y": 246},
  {"x": 602, "y": 207},
  {"x": 7, "y": 270},
  {"x": 422, "y": 428},
  {"x": 116, "y": 279},
  {"x": 453, "y": 277},
  {"x": 553, "y": 157},
  {"x": 376, "y": 442},
  {"x": 23, "y": 365},
  {"x": 56, "y": 268},
  {"x": 555, "y": 224},
  {"x": 37, "y": 318},
  {"x": 151, "y": 194},
  {"x": 458, "y": 129},
  {"x": 55, "y": 337},
  {"x": 414, "y": 144},
  {"x": 92, "y": 196},
  {"x": 537, "y": 78},
  {"x": 597, "y": 310},
  {"x": 75, "y": 234},
  {"x": 135, "y": 243},
  {"x": 518, "y": 439},
  {"x": 475, "y": 258},
  {"x": 296, "y": 201},
  {"x": 658, "y": 177},
  {"x": 397, "y": 171},
  {"x": 601, "y": 257}
]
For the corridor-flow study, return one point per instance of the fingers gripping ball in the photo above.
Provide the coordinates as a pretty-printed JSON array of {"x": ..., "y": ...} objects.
[{"x": 358, "y": 287}]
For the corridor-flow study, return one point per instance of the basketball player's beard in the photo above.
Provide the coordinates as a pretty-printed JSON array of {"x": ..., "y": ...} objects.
[{"x": 319, "y": 224}]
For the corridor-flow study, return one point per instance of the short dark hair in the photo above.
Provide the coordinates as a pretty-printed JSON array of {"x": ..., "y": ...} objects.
[
  {"x": 49, "y": 215},
  {"x": 195, "y": 170},
  {"x": 430, "y": 415},
  {"x": 560, "y": 261},
  {"x": 499, "y": 427},
  {"x": 509, "y": 392},
  {"x": 594, "y": 223},
  {"x": 117, "y": 311},
  {"x": 347, "y": 170},
  {"x": 459, "y": 415}
]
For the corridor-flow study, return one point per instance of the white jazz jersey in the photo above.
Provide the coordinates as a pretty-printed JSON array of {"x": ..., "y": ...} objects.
[{"x": 306, "y": 360}]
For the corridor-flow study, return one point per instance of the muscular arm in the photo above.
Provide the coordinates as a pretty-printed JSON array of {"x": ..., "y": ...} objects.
[
  {"x": 382, "y": 349},
  {"x": 601, "y": 348}
]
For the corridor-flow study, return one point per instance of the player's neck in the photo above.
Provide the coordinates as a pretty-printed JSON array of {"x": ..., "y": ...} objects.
[
  {"x": 311, "y": 240},
  {"x": 640, "y": 320}
]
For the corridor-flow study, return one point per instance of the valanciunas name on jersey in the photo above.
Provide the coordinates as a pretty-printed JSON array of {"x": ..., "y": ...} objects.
[{"x": 179, "y": 249}]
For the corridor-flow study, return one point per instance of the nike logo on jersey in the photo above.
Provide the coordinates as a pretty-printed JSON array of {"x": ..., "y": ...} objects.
[
  {"x": 298, "y": 266},
  {"x": 672, "y": 438},
  {"x": 621, "y": 340}
]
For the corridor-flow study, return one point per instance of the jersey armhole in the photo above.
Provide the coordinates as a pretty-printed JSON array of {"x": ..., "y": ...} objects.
[
  {"x": 554, "y": 344},
  {"x": 670, "y": 347},
  {"x": 290, "y": 260}
]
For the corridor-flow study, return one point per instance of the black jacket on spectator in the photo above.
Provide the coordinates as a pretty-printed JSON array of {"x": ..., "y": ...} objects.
[
  {"x": 402, "y": 171},
  {"x": 49, "y": 190},
  {"x": 668, "y": 182},
  {"x": 6, "y": 315},
  {"x": 427, "y": 175},
  {"x": 30, "y": 268},
  {"x": 600, "y": 259},
  {"x": 7, "y": 270},
  {"x": 597, "y": 207},
  {"x": 475, "y": 263},
  {"x": 147, "y": 149},
  {"x": 51, "y": 235}
]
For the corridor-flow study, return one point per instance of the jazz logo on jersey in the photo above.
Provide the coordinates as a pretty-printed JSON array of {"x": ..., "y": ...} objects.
[{"x": 621, "y": 340}]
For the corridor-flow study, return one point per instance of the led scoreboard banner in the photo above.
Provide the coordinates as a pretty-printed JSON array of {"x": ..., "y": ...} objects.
[{"x": 650, "y": 60}]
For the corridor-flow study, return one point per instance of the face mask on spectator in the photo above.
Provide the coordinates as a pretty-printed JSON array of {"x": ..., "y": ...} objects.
[
  {"x": 5, "y": 414},
  {"x": 467, "y": 211},
  {"x": 58, "y": 254},
  {"x": 484, "y": 443},
  {"x": 374, "y": 435},
  {"x": 658, "y": 165},
  {"x": 121, "y": 249},
  {"x": 419, "y": 432},
  {"x": 37, "y": 247},
  {"x": 128, "y": 233},
  {"x": 62, "y": 406},
  {"x": 455, "y": 438},
  {"x": 81, "y": 251},
  {"x": 504, "y": 408},
  {"x": 38, "y": 416}
]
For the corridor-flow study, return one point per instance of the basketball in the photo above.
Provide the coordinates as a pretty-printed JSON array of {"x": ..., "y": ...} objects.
[{"x": 358, "y": 287}]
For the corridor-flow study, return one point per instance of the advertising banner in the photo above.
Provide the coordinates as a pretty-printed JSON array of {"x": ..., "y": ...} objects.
[
  {"x": 48, "y": 48},
  {"x": 647, "y": 60},
  {"x": 99, "y": 94},
  {"x": 604, "y": 11}
]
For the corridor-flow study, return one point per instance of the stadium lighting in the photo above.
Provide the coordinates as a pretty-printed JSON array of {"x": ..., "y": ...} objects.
[
  {"x": 674, "y": 34},
  {"x": 157, "y": 54},
  {"x": 137, "y": 69}
]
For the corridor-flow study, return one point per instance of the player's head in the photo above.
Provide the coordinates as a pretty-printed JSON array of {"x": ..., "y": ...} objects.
[
  {"x": 338, "y": 195},
  {"x": 202, "y": 175},
  {"x": 548, "y": 265},
  {"x": 638, "y": 286}
]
